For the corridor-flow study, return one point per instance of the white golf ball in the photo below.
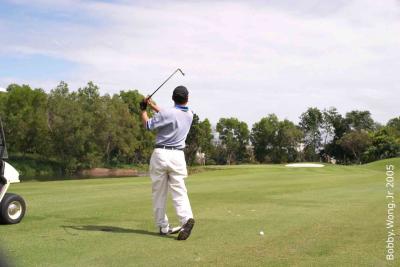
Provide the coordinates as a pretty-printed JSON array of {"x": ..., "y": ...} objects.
[{"x": 261, "y": 233}]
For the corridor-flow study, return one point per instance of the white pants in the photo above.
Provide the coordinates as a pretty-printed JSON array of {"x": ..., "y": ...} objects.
[{"x": 168, "y": 171}]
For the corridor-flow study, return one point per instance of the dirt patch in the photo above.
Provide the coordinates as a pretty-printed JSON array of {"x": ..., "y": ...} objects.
[{"x": 104, "y": 172}]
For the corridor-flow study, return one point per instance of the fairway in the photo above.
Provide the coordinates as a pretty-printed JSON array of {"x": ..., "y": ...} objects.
[{"x": 331, "y": 216}]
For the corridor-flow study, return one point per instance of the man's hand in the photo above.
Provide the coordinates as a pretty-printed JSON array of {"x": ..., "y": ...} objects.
[
  {"x": 148, "y": 102},
  {"x": 143, "y": 104},
  {"x": 153, "y": 105}
]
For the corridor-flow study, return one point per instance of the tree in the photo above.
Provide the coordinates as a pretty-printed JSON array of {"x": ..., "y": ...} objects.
[
  {"x": 3, "y": 101},
  {"x": 218, "y": 155},
  {"x": 288, "y": 140},
  {"x": 275, "y": 141},
  {"x": 93, "y": 116},
  {"x": 360, "y": 120},
  {"x": 192, "y": 140},
  {"x": 119, "y": 133},
  {"x": 84, "y": 129},
  {"x": 24, "y": 111},
  {"x": 356, "y": 143},
  {"x": 68, "y": 129},
  {"x": 311, "y": 122},
  {"x": 234, "y": 135},
  {"x": 199, "y": 139},
  {"x": 393, "y": 125},
  {"x": 334, "y": 127},
  {"x": 145, "y": 138},
  {"x": 263, "y": 138},
  {"x": 329, "y": 116},
  {"x": 384, "y": 144}
]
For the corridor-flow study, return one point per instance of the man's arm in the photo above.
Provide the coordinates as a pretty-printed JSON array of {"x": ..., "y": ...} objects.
[
  {"x": 153, "y": 105},
  {"x": 143, "y": 107},
  {"x": 145, "y": 118}
]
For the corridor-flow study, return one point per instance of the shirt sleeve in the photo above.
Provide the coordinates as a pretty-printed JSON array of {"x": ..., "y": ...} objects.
[{"x": 155, "y": 122}]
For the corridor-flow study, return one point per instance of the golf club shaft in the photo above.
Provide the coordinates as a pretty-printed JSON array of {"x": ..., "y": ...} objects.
[{"x": 166, "y": 81}]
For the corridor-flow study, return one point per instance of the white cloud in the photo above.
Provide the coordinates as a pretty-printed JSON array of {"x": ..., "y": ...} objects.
[{"x": 243, "y": 59}]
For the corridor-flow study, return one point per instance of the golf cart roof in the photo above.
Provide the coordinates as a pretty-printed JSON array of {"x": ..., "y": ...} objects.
[{"x": 3, "y": 148}]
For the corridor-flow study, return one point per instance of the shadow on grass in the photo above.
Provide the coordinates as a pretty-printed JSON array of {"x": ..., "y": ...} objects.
[{"x": 112, "y": 229}]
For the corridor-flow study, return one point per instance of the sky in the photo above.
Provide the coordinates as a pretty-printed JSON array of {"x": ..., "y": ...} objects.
[{"x": 243, "y": 59}]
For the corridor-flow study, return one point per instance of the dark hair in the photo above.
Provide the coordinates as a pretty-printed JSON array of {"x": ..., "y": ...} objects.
[{"x": 180, "y": 95}]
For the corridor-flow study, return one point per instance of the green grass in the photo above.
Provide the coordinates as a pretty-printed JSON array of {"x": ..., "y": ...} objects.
[{"x": 332, "y": 216}]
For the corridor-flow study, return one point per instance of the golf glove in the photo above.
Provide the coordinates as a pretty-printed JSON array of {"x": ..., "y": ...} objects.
[{"x": 143, "y": 105}]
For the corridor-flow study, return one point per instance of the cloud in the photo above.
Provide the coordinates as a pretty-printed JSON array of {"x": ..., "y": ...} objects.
[{"x": 243, "y": 58}]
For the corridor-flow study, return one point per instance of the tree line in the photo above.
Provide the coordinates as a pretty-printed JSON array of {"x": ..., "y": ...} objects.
[{"x": 83, "y": 129}]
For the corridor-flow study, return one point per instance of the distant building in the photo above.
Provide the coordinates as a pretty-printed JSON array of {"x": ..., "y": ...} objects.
[
  {"x": 200, "y": 158},
  {"x": 216, "y": 141},
  {"x": 300, "y": 147}
]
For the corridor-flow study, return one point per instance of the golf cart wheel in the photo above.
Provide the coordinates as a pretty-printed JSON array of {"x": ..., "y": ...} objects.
[{"x": 12, "y": 209}]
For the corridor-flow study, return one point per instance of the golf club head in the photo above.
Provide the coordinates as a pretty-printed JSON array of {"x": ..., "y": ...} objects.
[
  {"x": 166, "y": 81},
  {"x": 181, "y": 72}
]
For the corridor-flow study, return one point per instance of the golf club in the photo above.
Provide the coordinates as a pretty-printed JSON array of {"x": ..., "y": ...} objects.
[{"x": 166, "y": 81}]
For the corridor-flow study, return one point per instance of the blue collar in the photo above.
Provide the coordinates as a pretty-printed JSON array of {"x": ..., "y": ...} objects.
[{"x": 183, "y": 108}]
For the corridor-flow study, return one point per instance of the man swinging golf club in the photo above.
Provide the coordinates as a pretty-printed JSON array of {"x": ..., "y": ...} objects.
[{"x": 167, "y": 163}]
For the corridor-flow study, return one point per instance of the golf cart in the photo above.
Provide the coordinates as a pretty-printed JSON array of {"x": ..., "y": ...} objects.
[{"x": 12, "y": 206}]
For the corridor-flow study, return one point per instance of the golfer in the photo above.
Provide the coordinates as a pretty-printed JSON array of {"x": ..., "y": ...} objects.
[{"x": 167, "y": 163}]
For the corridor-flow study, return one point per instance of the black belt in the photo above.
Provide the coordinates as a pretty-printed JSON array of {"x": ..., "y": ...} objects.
[{"x": 169, "y": 147}]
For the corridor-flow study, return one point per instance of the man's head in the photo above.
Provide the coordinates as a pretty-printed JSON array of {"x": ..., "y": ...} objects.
[{"x": 180, "y": 95}]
